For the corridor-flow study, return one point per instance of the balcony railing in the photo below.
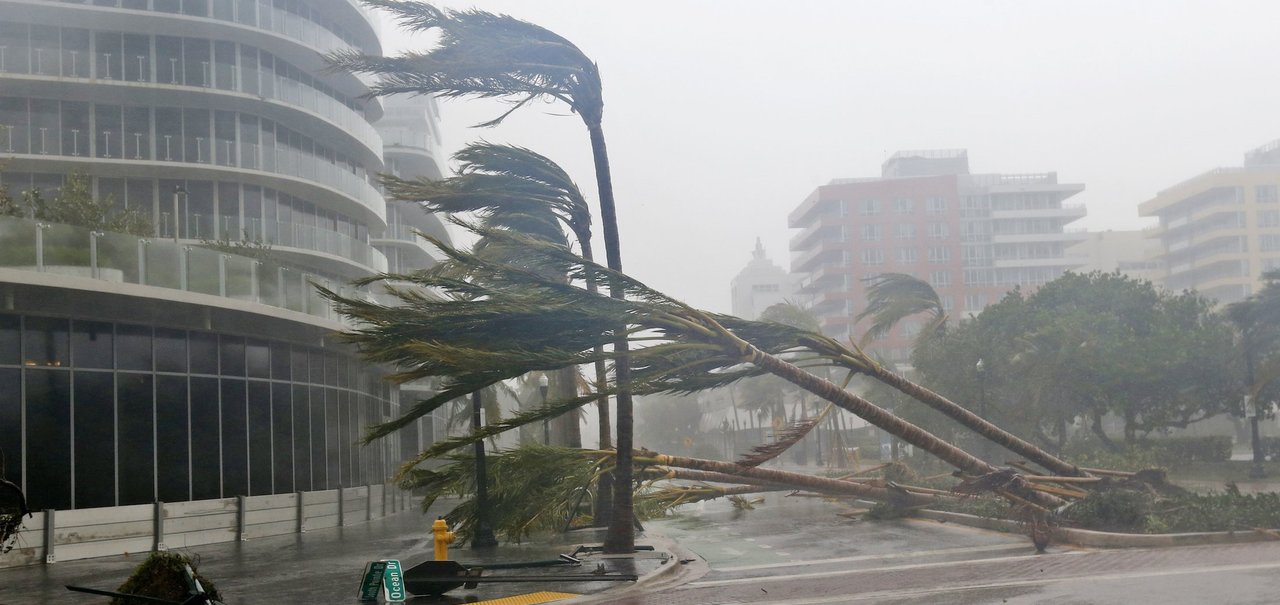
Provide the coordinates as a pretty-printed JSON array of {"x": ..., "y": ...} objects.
[{"x": 162, "y": 263}]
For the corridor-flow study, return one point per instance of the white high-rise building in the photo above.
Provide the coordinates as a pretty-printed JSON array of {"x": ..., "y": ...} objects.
[{"x": 161, "y": 368}]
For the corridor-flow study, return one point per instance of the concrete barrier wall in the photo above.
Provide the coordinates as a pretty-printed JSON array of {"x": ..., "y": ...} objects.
[{"x": 99, "y": 532}]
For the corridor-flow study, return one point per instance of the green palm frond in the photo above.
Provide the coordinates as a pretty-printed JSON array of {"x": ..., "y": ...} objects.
[
  {"x": 531, "y": 489},
  {"x": 495, "y": 181},
  {"x": 481, "y": 55},
  {"x": 790, "y": 436},
  {"x": 892, "y": 297}
]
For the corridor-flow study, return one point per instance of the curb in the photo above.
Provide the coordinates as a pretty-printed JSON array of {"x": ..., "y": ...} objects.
[
  {"x": 1102, "y": 539},
  {"x": 670, "y": 573}
]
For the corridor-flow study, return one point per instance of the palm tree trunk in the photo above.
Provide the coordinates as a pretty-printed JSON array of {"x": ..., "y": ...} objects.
[
  {"x": 976, "y": 423},
  {"x": 621, "y": 537},
  {"x": 797, "y": 480},
  {"x": 567, "y": 425},
  {"x": 881, "y": 418},
  {"x": 604, "y": 487}
]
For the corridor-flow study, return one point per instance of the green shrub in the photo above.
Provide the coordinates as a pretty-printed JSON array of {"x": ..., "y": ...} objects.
[
  {"x": 1180, "y": 450},
  {"x": 1271, "y": 445},
  {"x": 1228, "y": 510},
  {"x": 1113, "y": 510}
]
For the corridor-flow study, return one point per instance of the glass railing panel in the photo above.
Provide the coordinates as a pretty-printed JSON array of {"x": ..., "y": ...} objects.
[
  {"x": 162, "y": 264},
  {"x": 241, "y": 274},
  {"x": 202, "y": 271},
  {"x": 66, "y": 250},
  {"x": 19, "y": 243},
  {"x": 295, "y": 290},
  {"x": 118, "y": 258},
  {"x": 271, "y": 284},
  {"x": 316, "y": 304}
]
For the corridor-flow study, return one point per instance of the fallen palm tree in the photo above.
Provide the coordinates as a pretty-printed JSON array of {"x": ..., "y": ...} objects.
[
  {"x": 536, "y": 488},
  {"x": 503, "y": 321}
]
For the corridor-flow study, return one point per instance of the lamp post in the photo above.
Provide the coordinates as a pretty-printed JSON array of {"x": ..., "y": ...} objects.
[
  {"x": 483, "y": 537},
  {"x": 1251, "y": 412},
  {"x": 981, "y": 368},
  {"x": 177, "y": 191},
  {"x": 543, "y": 383}
]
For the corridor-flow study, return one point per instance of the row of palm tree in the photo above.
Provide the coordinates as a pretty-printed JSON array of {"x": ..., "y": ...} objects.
[
  {"x": 530, "y": 280},
  {"x": 483, "y": 55}
]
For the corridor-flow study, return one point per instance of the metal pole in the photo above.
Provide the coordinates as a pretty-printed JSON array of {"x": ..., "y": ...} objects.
[
  {"x": 178, "y": 190},
  {"x": 543, "y": 383},
  {"x": 1251, "y": 412},
  {"x": 484, "y": 537},
  {"x": 982, "y": 401}
]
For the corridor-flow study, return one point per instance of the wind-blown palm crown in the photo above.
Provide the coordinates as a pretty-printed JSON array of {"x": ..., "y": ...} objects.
[
  {"x": 892, "y": 297},
  {"x": 496, "y": 182},
  {"x": 483, "y": 55}
]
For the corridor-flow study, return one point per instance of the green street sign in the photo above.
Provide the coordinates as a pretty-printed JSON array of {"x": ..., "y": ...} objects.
[
  {"x": 393, "y": 582},
  {"x": 371, "y": 585}
]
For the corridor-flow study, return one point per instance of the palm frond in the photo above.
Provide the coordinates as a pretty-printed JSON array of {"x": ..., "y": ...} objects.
[
  {"x": 792, "y": 435},
  {"x": 892, "y": 297},
  {"x": 481, "y": 55},
  {"x": 531, "y": 489}
]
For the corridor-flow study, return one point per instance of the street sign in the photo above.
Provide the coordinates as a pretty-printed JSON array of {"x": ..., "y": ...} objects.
[
  {"x": 1250, "y": 410},
  {"x": 393, "y": 582},
  {"x": 371, "y": 585},
  {"x": 384, "y": 577}
]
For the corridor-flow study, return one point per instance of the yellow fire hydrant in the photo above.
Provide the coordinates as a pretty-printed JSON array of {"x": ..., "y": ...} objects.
[{"x": 444, "y": 538}]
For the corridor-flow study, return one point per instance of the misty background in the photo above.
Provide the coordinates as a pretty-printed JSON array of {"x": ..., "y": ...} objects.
[{"x": 722, "y": 116}]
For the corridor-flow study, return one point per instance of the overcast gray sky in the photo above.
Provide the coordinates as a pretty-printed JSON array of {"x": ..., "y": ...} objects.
[{"x": 722, "y": 116}]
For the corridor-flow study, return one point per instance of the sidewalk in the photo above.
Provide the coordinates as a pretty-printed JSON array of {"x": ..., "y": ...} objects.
[{"x": 325, "y": 566}]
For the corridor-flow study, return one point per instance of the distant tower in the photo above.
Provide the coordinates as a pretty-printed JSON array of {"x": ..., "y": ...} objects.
[{"x": 760, "y": 284}]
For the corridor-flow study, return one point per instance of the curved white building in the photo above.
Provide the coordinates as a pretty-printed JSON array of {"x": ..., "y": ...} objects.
[{"x": 135, "y": 370}]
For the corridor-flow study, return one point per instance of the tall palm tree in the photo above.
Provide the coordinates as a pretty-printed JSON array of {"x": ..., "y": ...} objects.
[{"x": 484, "y": 55}]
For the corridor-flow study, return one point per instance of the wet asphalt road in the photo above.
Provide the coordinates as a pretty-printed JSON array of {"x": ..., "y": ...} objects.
[
  {"x": 801, "y": 551},
  {"x": 320, "y": 567},
  {"x": 788, "y": 551}
]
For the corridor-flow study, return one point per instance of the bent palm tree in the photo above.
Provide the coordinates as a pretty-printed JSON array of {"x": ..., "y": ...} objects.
[
  {"x": 892, "y": 297},
  {"x": 483, "y": 55},
  {"x": 518, "y": 321}
]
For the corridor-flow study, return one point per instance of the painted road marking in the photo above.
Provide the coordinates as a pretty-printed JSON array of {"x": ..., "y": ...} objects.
[
  {"x": 848, "y": 572},
  {"x": 898, "y": 594},
  {"x": 533, "y": 598},
  {"x": 904, "y": 555}
]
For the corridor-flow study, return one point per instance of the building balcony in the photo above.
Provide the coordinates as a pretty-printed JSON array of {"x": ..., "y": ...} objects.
[
  {"x": 1061, "y": 261},
  {"x": 1068, "y": 237},
  {"x": 287, "y": 102},
  {"x": 1070, "y": 212},
  {"x": 406, "y": 238},
  {"x": 819, "y": 230},
  {"x": 62, "y": 255},
  {"x": 805, "y": 261},
  {"x": 290, "y": 36},
  {"x": 825, "y": 278},
  {"x": 300, "y": 174}
]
